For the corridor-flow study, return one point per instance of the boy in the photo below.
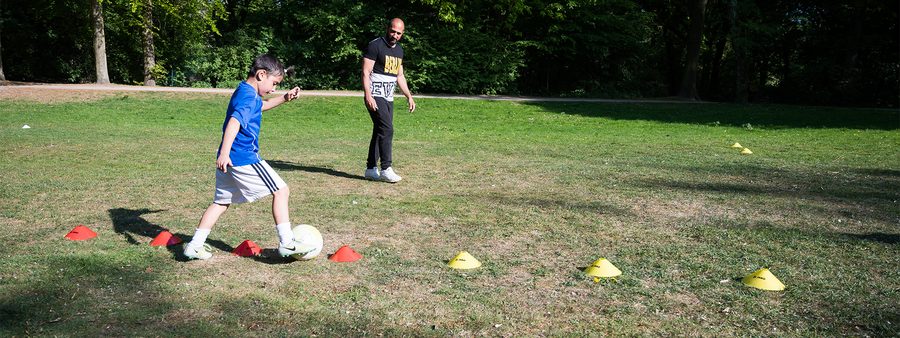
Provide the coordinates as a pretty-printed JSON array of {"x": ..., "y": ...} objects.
[{"x": 243, "y": 176}]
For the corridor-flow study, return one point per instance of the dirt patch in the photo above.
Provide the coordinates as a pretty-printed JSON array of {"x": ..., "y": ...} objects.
[{"x": 31, "y": 94}]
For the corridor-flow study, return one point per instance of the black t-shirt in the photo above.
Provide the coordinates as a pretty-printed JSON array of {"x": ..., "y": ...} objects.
[
  {"x": 387, "y": 59},
  {"x": 387, "y": 65}
]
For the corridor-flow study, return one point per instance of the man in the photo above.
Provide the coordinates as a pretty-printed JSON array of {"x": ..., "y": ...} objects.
[{"x": 382, "y": 70}]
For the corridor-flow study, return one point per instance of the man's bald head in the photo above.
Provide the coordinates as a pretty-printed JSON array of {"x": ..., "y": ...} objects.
[{"x": 395, "y": 31}]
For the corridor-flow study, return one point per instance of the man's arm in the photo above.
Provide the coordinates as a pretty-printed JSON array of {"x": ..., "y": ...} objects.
[
  {"x": 231, "y": 130},
  {"x": 367, "y": 67},
  {"x": 401, "y": 81},
  {"x": 275, "y": 101}
]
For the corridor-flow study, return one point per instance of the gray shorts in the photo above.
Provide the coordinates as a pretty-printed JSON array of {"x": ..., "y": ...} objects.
[{"x": 246, "y": 183}]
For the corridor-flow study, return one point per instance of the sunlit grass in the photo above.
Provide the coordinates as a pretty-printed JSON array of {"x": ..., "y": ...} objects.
[{"x": 535, "y": 191}]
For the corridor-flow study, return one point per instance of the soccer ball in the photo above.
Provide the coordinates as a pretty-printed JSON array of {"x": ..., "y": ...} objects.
[{"x": 308, "y": 235}]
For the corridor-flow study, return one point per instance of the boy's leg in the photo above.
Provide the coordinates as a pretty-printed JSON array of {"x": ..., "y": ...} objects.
[
  {"x": 287, "y": 243},
  {"x": 211, "y": 215},
  {"x": 281, "y": 215},
  {"x": 209, "y": 218},
  {"x": 194, "y": 249},
  {"x": 280, "y": 205}
]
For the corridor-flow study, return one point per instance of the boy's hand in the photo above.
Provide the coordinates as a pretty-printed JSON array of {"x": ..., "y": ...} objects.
[
  {"x": 292, "y": 94},
  {"x": 223, "y": 162}
]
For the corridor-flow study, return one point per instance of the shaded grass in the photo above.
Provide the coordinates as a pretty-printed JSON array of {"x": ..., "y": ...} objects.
[{"x": 535, "y": 191}]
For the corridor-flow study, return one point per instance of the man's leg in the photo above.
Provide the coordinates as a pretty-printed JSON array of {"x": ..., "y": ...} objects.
[
  {"x": 386, "y": 137},
  {"x": 372, "y": 160}
]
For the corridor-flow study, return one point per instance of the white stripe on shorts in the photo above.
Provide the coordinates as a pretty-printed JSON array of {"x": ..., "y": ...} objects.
[
  {"x": 261, "y": 171},
  {"x": 246, "y": 183}
]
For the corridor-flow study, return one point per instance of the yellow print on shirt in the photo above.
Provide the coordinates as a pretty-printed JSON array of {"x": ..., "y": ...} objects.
[{"x": 392, "y": 64}]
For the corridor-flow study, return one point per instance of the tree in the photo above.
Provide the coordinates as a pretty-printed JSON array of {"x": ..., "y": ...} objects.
[
  {"x": 99, "y": 43},
  {"x": 695, "y": 35},
  {"x": 149, "y": 53},
  {"x": 185, "y": 17},
  {"x": 2, "y": 77}
]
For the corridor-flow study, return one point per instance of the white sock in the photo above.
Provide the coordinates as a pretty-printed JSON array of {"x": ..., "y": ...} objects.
[
  {"x": 199, "y": 237},
  {"x": 285, "y": 233}
]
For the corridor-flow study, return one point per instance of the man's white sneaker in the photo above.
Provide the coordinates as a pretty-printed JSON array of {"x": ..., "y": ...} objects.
[
  {"x": 388, "y": 175},
  {"x": 295, "y": 248},
  {"x": 372, "y": 174},
  {"x": 203, "y": 252}
]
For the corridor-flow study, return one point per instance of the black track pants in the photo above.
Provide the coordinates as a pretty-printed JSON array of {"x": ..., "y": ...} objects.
[{"x": 382, "y": 134}]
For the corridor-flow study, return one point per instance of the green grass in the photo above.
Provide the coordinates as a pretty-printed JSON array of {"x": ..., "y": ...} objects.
[{"x": 535, "y": 191}]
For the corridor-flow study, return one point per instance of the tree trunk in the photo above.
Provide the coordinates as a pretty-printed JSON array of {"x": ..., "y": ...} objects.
[
  {"x": 99, "y": 43},
  {"x": 673, "y": 63},
  {"x": 2, "y": 77},
  {"x": 717, "y": 65},
  {"x": 695, "y": 35},
  {"x": 149, "y": 54},
  {"x": 740, "y": 85}
]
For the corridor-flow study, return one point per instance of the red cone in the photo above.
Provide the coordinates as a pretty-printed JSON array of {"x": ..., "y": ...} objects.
[
  {"x": 345, "y": 254},
  {"x": 247, "y": 249},
  {"x": 165, "y": 238},
  {"x": 81, "y": 233}
]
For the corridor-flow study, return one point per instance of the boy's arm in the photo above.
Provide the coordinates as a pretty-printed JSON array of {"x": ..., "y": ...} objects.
[
  {"x": 275, "y": 101},
  {"x": 231, "y": 130},
  {"x": 401, "y": 82}
]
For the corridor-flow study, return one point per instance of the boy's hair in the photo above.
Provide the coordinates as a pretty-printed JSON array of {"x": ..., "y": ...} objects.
[{"x": 269, "y": 64}]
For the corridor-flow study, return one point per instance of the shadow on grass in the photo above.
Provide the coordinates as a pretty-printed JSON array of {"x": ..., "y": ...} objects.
[
  {"x": 78, "y": 296},
  {"x": 129, "y": 222},
  {"x": 770, "y": 116},
  {"x": 878, "y": 237},
  {"x": 838, "y": 283},
  {"x": 107, "y": 294},
  {"x": 285, "y": 165},
  {"x": 551, "y": 203},
  {"x": 271, "y": 256},
  {"x": 875, "y": 190}
]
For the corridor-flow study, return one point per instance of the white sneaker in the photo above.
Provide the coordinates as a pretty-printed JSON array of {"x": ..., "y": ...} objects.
[
  {"x": 388, "y": 175},
  {"x": 203, "y": 252},
  {"x": 372, "y": 174},
  {"x": 295, "y": 248}
]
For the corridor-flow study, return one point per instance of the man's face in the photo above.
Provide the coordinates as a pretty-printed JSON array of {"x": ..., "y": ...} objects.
[{"x": 394, "y": 33}]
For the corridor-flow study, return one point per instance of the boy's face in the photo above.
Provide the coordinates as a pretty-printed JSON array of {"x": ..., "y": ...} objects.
[{"x": 266, "y": 83}]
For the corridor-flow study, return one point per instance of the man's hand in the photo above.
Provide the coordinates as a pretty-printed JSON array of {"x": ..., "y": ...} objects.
[
  {"x": 412, "y": 104},
  {"x": 370, "y": 103},
  {"x": 223, "y": 162}
]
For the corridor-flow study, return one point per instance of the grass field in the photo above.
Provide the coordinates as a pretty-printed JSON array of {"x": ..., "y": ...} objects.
[{"x": 536, "y": 191}]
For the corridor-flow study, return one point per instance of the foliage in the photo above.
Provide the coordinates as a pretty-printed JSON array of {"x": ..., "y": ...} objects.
[
  {"x": 45, "y": 40},
  {"x": 594, "y": 47},
  {"x": 462, "y": 60},
  {"x": 227, "y": 64},
  {"x": 823, "y": 52}
]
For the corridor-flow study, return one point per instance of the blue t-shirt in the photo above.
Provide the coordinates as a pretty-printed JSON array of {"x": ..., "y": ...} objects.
[{"x": 246, "y": 107}]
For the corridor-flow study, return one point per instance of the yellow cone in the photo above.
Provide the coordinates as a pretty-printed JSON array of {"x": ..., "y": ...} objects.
[
  {"x": 737, "y": 145},
  {"x": 763, "y": 279},
  {"x": 602, "y": 268},
  {"x": 464, "y": 260},
  {"x": 746, "y": 151}
]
